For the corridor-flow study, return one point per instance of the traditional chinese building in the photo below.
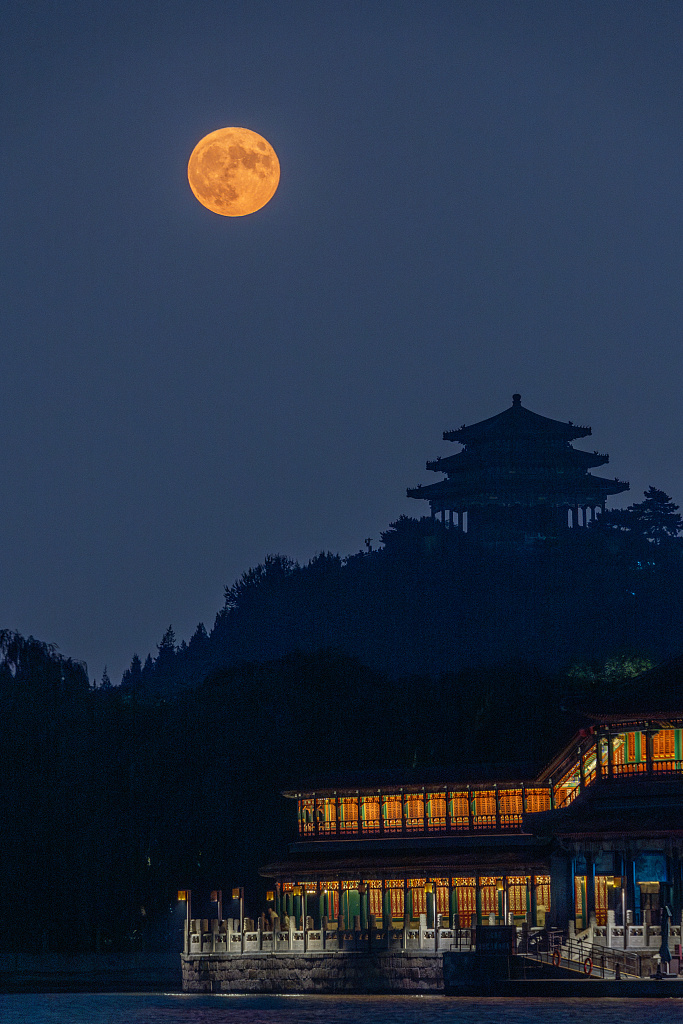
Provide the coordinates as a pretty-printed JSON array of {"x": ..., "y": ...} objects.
[
  {"x": 596, "y": 838},
  {"x": 517, "y": 478}
]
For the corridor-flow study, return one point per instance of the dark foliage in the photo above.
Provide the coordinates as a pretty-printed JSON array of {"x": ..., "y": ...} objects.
[
  {"x": 114, "y": 798},
  {"x": 432, "y": 600}
]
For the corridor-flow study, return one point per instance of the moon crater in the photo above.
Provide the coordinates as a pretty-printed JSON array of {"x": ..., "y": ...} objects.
[{"x": 233, "y": 171}]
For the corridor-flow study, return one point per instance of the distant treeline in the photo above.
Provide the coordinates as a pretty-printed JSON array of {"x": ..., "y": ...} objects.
[
  {"x": 113, "y": 798},
  {"x": 433, "y": 600}
]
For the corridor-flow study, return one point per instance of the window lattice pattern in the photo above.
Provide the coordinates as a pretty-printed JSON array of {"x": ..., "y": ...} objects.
[
  {"x": 542, "y": 883},
  {"x": 436, "y": 811},
  {"x": 664, "y": 745},
  {"x": 348, "y": 813},
  {"x": 369, "y": 812},
  {"x": 460, "y": 810},
  {"x": 537, "y": 800},
  {"x": 415, "y": 809},
  {"x": 392, "y": 813}
]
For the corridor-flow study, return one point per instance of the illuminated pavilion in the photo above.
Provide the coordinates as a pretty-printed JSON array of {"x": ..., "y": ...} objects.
[
  {"x": 517, "y": 478},
  {"x": 595, "y": 839}
]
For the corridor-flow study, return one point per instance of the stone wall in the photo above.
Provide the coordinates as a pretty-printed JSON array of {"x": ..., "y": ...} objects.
[{"x": 312, "y": 972}]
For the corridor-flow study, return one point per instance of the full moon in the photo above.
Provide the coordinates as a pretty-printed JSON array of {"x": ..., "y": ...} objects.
[{"x": 233, "y": 171}]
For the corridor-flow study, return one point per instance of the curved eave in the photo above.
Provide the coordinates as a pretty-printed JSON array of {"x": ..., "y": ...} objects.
[
  {"x": 564, "y": 492},
  {"x": 565, "y": 459},
  {"x": 516, "y": 422}
]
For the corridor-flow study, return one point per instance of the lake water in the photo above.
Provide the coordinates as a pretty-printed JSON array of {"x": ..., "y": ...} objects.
[{"x": 192, "y": 1009}]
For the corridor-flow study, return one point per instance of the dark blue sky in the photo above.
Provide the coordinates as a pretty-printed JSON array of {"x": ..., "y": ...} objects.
[{"x": 476, "y": 198}]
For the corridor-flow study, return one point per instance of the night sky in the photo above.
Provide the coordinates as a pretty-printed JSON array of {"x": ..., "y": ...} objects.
[{"x": 476, "y": 198}]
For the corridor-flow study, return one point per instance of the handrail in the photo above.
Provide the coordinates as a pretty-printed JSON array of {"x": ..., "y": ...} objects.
[
  {"x": 603, "y": 957},
  {"x": 573, "y": 954}
]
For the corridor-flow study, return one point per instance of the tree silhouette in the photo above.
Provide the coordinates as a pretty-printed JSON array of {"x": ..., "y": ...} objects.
[{"x": 656, "y": 518}]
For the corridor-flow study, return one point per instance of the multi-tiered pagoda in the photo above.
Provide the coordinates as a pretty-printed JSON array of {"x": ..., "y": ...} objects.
[{"x": 518, "y": 478}]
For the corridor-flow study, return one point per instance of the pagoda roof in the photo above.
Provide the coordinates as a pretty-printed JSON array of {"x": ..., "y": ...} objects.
[
  {"x": 540, "y": 455},
  {"x": 516, "y": 422},
  {"x": 500, "y": 487}
]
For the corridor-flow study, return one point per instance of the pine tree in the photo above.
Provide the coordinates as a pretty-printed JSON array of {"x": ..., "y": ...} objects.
[
  {"x": 657, "y": 517},
  {"x": 167, "y": 647},
  {"x": 133, "y": 675}
]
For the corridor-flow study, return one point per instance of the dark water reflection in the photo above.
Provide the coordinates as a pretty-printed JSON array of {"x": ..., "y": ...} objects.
[{"x": 181, "y": 1009}]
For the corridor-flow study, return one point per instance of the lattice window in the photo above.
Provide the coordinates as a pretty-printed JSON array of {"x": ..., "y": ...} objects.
[
  {"x": 618, "y": 748},
  {"x": 590, "y": 765},
  {"x": 348, "y": 813},
  {"x": 460, "y": 810},
  {"x": 350, "y": 885},
  {"x": 326, "y": 812},
  {"x": 415, "y": 809},
  {"x": 603, "y": 753},
  {"x": 601, "y": 896},
  {"x": 442, "y": 894},
  {"x": 332, "y": 901},
  {"x": 306, "y": 816},
  {"x": 436, "y": 811},
  {"x": 568, "y": 787},
  {"x": 542, "y": 883},
  {"x": 537, "y": 800},
  {"x": 374, "y": 897},
  {"x": 484, "y": 808},
  {"x": 631, "y": 746},
  {"x": 369, "y": 813},
  {"x": 488, "y": 895},
  {"x": 510, "y": 801},
  {"x": 510, "y": 806},
  {"x": 417, "y": 888},
  {"x": 395, "y": 887},
  {"x": 466, "y": 895},
  {"x": 517, "y": 895},
  {"x": 579, "y": 896},
  {"x": 631, "y": 759},
  {"x": 392, "y": 812},
  {"x": 664, "y": 745}
]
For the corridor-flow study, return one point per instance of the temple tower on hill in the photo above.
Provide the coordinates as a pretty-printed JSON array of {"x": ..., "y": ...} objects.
[{"x": 518, "y": 478}]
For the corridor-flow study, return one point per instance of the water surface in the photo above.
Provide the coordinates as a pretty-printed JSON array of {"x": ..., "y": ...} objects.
[{"x": 136, "y": 1008}]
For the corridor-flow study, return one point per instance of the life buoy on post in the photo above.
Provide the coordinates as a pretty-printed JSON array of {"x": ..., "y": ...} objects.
[
  {"x": 556, "y": 958},
  {"x": 588, "y": 967}
]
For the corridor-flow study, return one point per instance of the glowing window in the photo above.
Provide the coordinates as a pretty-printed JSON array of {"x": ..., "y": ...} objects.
[
  {"x": 664, "y": 745},
  {"x": 348, "y": 814},
  {"x": 415, "y": 809},
  {"x": 436, "y": 811},
  {"x": 369, "y": 813},
  {"x": 392, "y": 812},
  {"x": 537, "y": 800},
  {"x": 459, "y": 810},
  {"x": 326, "y": 813}
]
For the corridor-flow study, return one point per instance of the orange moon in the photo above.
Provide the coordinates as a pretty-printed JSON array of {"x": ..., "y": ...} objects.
[{"x": 233, "y": 171}]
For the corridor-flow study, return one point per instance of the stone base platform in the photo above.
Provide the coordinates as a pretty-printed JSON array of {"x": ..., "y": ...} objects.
[{"x": 326, "y": 973}]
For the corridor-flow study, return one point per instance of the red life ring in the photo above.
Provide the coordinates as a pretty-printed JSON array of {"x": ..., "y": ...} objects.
[
  {"x": 556, "y": 958},
  {"x": 588, "y": 967}
]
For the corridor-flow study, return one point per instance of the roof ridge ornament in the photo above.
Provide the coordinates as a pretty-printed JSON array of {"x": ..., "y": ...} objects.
[{"x": 516, "y": 399}]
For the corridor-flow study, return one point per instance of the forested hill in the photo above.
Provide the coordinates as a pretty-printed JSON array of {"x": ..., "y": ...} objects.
[
  {"x": 432, "y": 600},
  {"x": 113, "y": 800}
]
